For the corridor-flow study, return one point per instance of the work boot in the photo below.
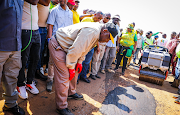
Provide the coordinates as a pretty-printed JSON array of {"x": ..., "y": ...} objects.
[
  {"x": 76, "y": 96},
  {"x": 65, "y": 111},
  {"x": 102, "y": 71},
  {"x": 110, "y": 71},
  {"x": 92, "y": 77},
  {"x": 123, "y": 71},
  {"x": 49, "y": 86},
  {"x": 178, "y": 91},
  {"x": 14, "y": 110}
]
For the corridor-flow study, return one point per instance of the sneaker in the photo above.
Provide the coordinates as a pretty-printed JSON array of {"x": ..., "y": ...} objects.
[
  {"x": 46, "y": 70},
  {"x": 49, "y": 86},
  {"x": 110, "y": 71},
  {"x": 41, "y": 70},
  {"x": 65, "y": 111},
  {"x": 32, "y": 88},
  {"x": 102, "y": 71},
  {"x": 175, "y": 96},
  {"x": 177, "y": 100},
  {"x": 14, "y": 110},
  {"x": 22, "y": 92}
]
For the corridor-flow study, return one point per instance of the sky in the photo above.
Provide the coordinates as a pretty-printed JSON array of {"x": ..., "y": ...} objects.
[{"x": 149, "y": 15}]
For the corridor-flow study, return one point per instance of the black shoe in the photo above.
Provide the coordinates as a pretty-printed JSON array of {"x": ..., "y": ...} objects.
[
  {"x": 15, "y": 110},
  {"x": 40, "y": 76},
  {"x": 115, "y": 68},
  {"x": 170, "y": 82},
  {"x": 98, "y": 76},
  {"x": 122, "y": 73},
  {"x": 85, "y": 80},
  {"x": 92, "y": 77},
  {"x": 64, "y": 111},
  {"x": 76, "y": 96}
]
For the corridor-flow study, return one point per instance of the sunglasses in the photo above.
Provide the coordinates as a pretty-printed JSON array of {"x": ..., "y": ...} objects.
[{"x": 108, "y": 18}]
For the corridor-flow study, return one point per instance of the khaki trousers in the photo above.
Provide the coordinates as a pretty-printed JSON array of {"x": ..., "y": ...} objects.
[
  {"x": 97, "y": 57},
  {"x": 63, "y": 86},
  {"x": 10, "y": 64}
]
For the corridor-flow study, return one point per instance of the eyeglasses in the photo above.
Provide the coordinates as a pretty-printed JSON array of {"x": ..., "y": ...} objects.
[{"x": 108, "y": 18}]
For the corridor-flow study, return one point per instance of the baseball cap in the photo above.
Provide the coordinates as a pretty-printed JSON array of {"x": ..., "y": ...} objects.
[
  {"x": 77, "y": 1},
  {"x": 130, "y": 26},
  {"x": 71, "y": 2},
  {"x": 112, "y": 29},
  {"x": 116, "y": 16},
  {"x": 156, "y": 36}
]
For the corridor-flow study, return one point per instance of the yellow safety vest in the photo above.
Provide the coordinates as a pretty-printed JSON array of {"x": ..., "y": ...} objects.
[{"x": 127, "y": 39}]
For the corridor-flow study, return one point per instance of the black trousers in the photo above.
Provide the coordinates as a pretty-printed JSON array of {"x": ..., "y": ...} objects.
[
  {"x": 120, "y": 56},
  {"x": 33, "y": 52}
]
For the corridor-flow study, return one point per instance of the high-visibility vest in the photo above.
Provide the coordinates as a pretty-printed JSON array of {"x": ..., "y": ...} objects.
[
  {"x": 178, "y": 51},
  {"x": 127, "y": 39}
]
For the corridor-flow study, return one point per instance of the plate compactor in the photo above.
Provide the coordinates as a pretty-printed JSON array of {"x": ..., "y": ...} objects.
[{"x": 155, "y": 64}]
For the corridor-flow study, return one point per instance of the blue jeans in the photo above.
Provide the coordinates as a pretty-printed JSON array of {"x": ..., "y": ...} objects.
[
  {"x": 136, "y": 54},
  {"x": 43, "y": 33},
  {"x": 85, "y": 64},
  {"x": 177, "y": 70}
]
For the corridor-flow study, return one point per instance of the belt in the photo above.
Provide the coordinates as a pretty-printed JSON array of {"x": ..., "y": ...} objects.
[{"x": 29, "y": 30}]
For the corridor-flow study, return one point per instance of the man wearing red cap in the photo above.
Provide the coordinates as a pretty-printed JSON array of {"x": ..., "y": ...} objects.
[{"x": 71, "y": 4}]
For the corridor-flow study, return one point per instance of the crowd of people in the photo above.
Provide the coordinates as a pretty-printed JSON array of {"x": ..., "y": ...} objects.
[{"x": 49, "y": 36}]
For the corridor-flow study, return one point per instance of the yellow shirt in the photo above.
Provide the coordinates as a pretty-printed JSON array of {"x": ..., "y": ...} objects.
[
  {"x": 75, "y": 17},
  {"x": 87, "y": 19}
]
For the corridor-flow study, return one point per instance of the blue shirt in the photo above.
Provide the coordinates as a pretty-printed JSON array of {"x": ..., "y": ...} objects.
[
  {"x": 59, "y": 18},
  {"x": 10, "y": 27}
]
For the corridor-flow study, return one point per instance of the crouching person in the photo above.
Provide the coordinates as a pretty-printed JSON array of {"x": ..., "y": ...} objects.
[
  {"x": 129, "y": 43},
  {"x": 68, "y": 49}
]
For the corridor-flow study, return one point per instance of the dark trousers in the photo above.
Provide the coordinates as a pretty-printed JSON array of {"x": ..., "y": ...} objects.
[
  {"x": 119, "y": 58},
  {"x": 33, "y": 52},
  {"x": 43, "y": 33}
]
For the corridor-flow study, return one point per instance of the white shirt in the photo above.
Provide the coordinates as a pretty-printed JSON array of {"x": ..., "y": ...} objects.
[
  {"x": 162, "y": 42},
  {"x": 26, "y": 17},
  {"x": 110, "y": 44},
  {"x": 139, "y": 41}
]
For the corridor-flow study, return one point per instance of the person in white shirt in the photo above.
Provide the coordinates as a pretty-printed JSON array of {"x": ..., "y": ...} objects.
[
  {"x": 110, "y": 49},
  {"x": 162, "y": 41},
  {"x": 140, "y": 43}
]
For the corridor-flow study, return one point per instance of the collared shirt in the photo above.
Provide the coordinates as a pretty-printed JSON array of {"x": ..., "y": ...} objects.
[
  {"x": 77, "y": 40},
  {"x": 59, "y": 18},
  {"x": 76, "y": 18},
  {"x": 110, "y": 44},
  {"x": 10, "y": 27},
  {"x": 171, "y": 45}
]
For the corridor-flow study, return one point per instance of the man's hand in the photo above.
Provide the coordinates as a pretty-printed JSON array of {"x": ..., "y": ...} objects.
[
  {"x": 98, "y": 50},
  {"x": 117, "y": 48},
  {"x": 133, "y": 52},
  {"x": 71, "y": 74},
  {"x": 79, "y": 67}
]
